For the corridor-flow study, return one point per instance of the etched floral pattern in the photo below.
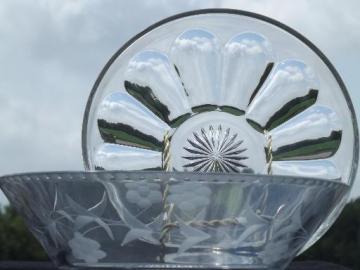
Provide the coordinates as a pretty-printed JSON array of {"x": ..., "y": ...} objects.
[
  {"x": 251, "y": 214},
  {"x": 189, "y": 197},
  {"x": 86, "y": 249},
  {"x": 144, "y": 195}
]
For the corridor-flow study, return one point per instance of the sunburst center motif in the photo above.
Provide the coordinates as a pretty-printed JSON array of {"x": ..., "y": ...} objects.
[{"x": 215, "y": 150}]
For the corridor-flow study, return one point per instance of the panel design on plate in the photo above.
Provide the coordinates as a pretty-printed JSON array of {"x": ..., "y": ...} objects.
[{"x": 200, "y": 78}]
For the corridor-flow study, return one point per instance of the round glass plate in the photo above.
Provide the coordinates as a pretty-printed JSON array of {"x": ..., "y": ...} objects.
[{"x": 222, "y": 91}]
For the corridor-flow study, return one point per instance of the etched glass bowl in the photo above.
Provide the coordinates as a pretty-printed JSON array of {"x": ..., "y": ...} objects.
[{"x": 171, "y": 220}]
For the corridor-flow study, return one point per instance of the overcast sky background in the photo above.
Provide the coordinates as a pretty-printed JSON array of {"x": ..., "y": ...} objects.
[{"x": 51, "y": 52}]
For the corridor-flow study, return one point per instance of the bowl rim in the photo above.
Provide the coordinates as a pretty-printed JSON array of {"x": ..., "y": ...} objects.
[{"x": 163, "y": 176}]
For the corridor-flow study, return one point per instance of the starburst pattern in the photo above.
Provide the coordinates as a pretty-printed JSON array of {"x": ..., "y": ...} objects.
[{"x": 215, "y": 150}]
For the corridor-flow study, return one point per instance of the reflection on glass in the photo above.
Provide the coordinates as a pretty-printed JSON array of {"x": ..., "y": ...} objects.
[
  {"x": 166, "y": 93},
  {"x": 123, "y": 120},
  {"x": 247, "y": 61},
  {"x": 153, "y": 81},
  {"x": 290, "y": 88},
  {"x": 196, "y": 55},
  {"x": 120, "y": 157}
]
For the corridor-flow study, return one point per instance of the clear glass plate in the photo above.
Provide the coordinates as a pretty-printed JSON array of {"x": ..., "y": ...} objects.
[{"x": 222, "y": 91}]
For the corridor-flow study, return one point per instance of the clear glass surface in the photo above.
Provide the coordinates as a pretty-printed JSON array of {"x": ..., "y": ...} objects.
[
  {"x": 219, "y": 92},
  {"x": 222, "y": 91},
  {"x": 171, "y": 220},
  {"x": 221, "y": 139}
]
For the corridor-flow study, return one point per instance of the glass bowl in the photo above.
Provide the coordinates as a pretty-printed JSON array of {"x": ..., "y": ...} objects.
[{"x": 171, "y": 220}]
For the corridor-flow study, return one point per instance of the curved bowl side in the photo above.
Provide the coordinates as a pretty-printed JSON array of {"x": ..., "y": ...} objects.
[{"x": 156, "y": 219}]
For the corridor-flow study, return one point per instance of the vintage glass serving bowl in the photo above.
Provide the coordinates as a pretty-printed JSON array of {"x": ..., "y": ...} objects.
[
  {"x": 213, "y": 139},
  {"x": 172, "y": 220}
]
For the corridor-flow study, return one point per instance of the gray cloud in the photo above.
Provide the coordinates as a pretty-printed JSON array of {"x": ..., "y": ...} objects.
[{"x": 52, "y": 51}]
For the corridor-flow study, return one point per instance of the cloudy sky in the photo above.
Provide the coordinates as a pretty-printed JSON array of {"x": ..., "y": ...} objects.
[{"x": 52, "y": 51}]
